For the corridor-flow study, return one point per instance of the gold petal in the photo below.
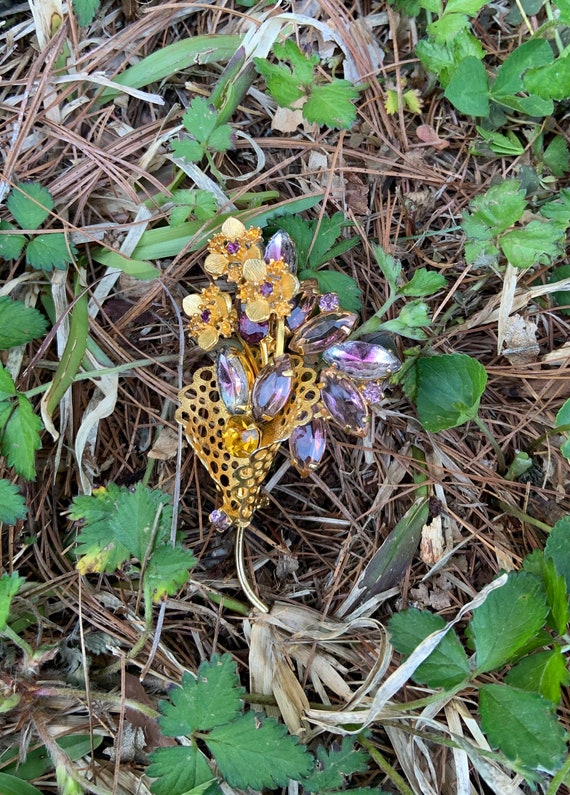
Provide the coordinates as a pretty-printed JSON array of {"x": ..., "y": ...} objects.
[
  {"x": 289, "y": 285},
  {"x": 223, "y": 303},
  {"x": 215, "y": 264},
  {"x": 254, "y": 270},
  {"x": 207, "y": 339},
  {"x": 232, "y": 228},
  {"x": 258, "y": 311},
  {"x": 192, "y": 304}
]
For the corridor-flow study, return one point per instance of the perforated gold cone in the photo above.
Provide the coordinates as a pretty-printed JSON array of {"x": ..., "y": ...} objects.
[{"x": 204, "y": 417}]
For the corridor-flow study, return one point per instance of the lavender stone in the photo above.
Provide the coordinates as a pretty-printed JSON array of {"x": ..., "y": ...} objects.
[
  {"x": 272, "y": 388},
  {"x": 307, "y": 445},
  {"x": 234, "y": 376},
  {"x": 322, "y": 331},
  {"x": 250, "y": 331},
  {"x": 329, "y": 302},
  {"x": 220, "y": 519},
  {"x": 362, "y": 360},
  {"x": 344, "y": 402},
  {"x": 281, "y": 246}
]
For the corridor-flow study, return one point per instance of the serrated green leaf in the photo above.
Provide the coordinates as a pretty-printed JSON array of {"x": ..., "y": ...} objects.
[
  {"x": 324, "y": 235},
  {"x": 21, "y": 438},
  {"x": 564, "y": 8},
  {"x": 554, "y": 587},
  {"x": 97, "y": 548},
  {"x": 256, "y": 752},
  {"x": 551, "y": 81},
  {"x": 221, "y": 139},
  {"x": 85, "y": 10},
  {"x": 12, "y": 505},
  {"x": 211, "y": 700},
  {"x": 447, "y": 666},
  {"x": 497, "y": 209},
  {"x": 7, "y": 386},
  {"x": 349, "y": 293},
  {"x": 11, "y": 245},
  {"x": 332, "y": 105},
  {"x": 468, "y": 88},
  {"x": 507, "y": 620},
  {"x": 302, "y": 64},
  {"x": 556, "y": 157},
  {"x": 281, "y": 83},
  {"x": 168, "y": 570},
  {"x": 46, "y": 252},
  {"x": 334, "y": 765},
  {"x": 423, "y": 282},
  {"x": 470, "y": 7},
  {"x": 449, "y": 388},
  {"x": 543, "y": 672},
  {"x": 19, "y": 323},
  {"x": 523, "y": 726},
  {"x": 10, "y": 584},
  {"x": 509, "y": 79},
  {"x": 391, "y": 268},
  {"x": 558, "y": 548},
  {"x": 141, "y": 520},
  {"x": 30, "y": 204},
  {"x": 188, "y": 150},
  {"x": 178, "y": 770},
  {"x": 447, "y": 26},
  {"x": 535, "y": 243}
]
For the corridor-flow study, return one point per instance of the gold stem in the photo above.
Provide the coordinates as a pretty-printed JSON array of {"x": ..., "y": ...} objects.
[
  {"x": 279, "y": 337},
  {"x": 242, "y": 576}
]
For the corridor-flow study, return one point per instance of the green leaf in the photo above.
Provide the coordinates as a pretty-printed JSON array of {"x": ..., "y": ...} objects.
[
  {"x": 468, "y": 88},
  {"x": 178, "y": 770},
  {"x": 202, "y": 121},
  {"x": 508, "y": 618},
  {"x": 496, "y": 210},
  {"x": 447, "y": 666},
  {"x": 188, "y": 150},
  {"x": 12, "y": 505},
  {"x": 349, "y": 293},
  {"x": 21, "y": 438},
  {"x": 302, "y": 64},
  {"x": 558, "y": 548},
  {"x": 200, "y": 202},
  {"x": 46, "y": 252},
  {"x": 212, "y": 699},
  {"x": 509, "y": 79},
  {"x": 391, "y": 268},
  {"x": 562, "y": 299},
  {"x": 281, "y": 83},
  {"x": 19, "y": 323},
  {"x": 554, "y": 587},
  {"x": 30, "y": 204},
  {"x": 141, "y": 520},
  {"x": 550, "y": 82},
  {"x": 168, "y": 570},
  {"x": 137, "y": 268},
  {"x": 508, "y": 145},
  {"x": 537, "y": 242},
  {"x": 423, "y": 282},
  {"x": 334, "y": 766},
  {"x": 97, "y": 548},
  {"x": 254, "y": 751},
  {"x": 543, "y": 672},
  {"x": 556, "y": 157},
  {"x": 470, "y": 7},
  {"x": 324, "y": 235},
  {"x": 523, "y": 726},
  {"x": 38, "y": 761},
  {"x": 7, "y": 386},
  {"x": 10, "y": 584},
  {"x": 447, "y": 26},
  {"x": 11, "y": 245},
  {"x": 11, "y": 785},
  {"x": 85, "y": 10},
  {"x": 449, "y": 388},
  {"x": 332, "y": 105}
]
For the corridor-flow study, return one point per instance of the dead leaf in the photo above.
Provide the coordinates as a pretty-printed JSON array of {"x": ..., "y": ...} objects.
[
  {"x": 166, "y": 446},
  {"x": 520, "y": 345},
  {"x": 427, "y": 135}
]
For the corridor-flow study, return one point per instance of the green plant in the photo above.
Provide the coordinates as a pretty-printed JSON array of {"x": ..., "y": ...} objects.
[
  {"x": 294, "y": 82},
  {"x": 207, "y": 134},
  {"x": 31, "y": 204},
  {"x": 19, "y": 428},
  {"x": 519, "y": 635}
]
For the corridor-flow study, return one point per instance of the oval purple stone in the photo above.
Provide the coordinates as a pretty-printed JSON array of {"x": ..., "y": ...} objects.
[
  {"x": 322, "y": 331},
  {"x": 344, "y": 402},
  {"x": 362, "y": 360},
  {"x": 281, "y": 246},
  {"x": 234, "y": 378},
  {"x": 307, "y": 445},
  {"x": 250, "y": 331},
  {"x": 272, "y": 388}
]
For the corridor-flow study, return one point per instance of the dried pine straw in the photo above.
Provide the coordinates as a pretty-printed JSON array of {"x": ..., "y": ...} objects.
[{"x": 318, "y": 655}]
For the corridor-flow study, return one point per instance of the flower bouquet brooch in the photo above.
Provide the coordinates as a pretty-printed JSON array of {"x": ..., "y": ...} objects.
[{"x": 282, "y": 367}]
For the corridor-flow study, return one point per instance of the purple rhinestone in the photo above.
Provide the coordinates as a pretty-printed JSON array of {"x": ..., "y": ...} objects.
[
  {"x": 281, "y": 246},
  {"x": 344, "y": 402},
  {"x": 220, "y": 519},
  {"x": 250, "y": 331},
  {"x": 272, "y": 388},
  {"x": 329, "y": 302},
  {"x": 206, "y": 316},
  {"x": 362, "y": 360},
  {"x": 232, "y": 247},
  {"x": 233, "y": 374},
  {"x": 307, "y": 445},
  {"x": 266, "y": 289},
  {"x": 322, "y": 331},
  {"x": 372, "y": 392},
  {"x": 303, "y": 305}
]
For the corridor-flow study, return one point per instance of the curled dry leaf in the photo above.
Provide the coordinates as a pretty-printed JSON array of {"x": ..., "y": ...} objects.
[
  {"x": 428, "y": 135},
  {"x": 520, "y": 344}
]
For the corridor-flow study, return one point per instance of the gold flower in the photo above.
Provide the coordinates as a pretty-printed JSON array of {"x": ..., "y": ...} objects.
[
  {"x": 211, "y": 316},
  {"x": 231, "y": 248},
  {"x": 267, "y": 289}
]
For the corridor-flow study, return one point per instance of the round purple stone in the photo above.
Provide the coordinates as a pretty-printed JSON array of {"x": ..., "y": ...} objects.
[
  {"x": 266, "y": 289},
  {"x": 372, "y": 392},
  {"x": 328, "y": 302},
  {"x": 206, "y": 316},
  {"x": 232, "y": 247},
  {"x": 220, "y": 519}
]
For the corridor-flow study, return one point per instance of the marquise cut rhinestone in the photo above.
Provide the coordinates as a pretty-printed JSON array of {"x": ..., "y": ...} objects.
[
  {"x": 241, "y": 436},
  {"x": 322, "y": 331},
  {"x": 251, "y": 331},
  {"x": 344, "y": 402},
  {"x": 303, "y": 305},
  {"x": 235, "y": 377},
  {"x": 281, "y": 246},
  {"x": 362, "y": 360},
  {"x": 307, "y": 445},
  {"x": 272, "y": 388}
]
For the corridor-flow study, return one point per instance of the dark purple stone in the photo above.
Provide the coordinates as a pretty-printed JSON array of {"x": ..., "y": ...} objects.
[
  {"x": 266, "y": 289},
  {"x": 322, "y": 331},
  {"x": 281, "y": 246},
  {"x": 220, "y": 519},
  {"x": 250, "y": 331},
  {"x": 233, "y": 374},
  {"x": 206, "y": 316},
  {"x": 362, "y": 360},
  {"x": 344, "y": 402},
  {"x": 272, "y": 388},
  {"x": 303, "y": 305},
  {"x": 307, "y": 445},
  {"x": 232, "y": 247},
  {"x": 329, "y": 302}
]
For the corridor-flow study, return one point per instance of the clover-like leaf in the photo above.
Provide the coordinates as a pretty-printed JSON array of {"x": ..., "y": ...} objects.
[{"x": 449, "y": 389}]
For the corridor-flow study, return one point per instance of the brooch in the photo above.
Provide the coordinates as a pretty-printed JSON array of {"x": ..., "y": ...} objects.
[{"x": 282, "y": 367}]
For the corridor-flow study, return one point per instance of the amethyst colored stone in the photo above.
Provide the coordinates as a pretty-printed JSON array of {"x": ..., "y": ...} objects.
[
  {"x": 344, "y": 402},
  {"x": 272, "y": 388},
  {"x": 303, "y": 305},
  {"x": 206, "y": 316},
  {"x": 250, "y": 331},
  {"x": 234, "y": 376},
  {"x": 329, "y": 302},
  {"x": 322, "y": 331},
  {"x": 232, "y": 247},
  {"x": 372, "y": 392},
  {"x": 362, "y": 360},
  {"x": 307, "y": 445},
  {"x": 281, "y": 246},
  {"x": 220, "y": 519},
  {"x": 266, "y": 289}
]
